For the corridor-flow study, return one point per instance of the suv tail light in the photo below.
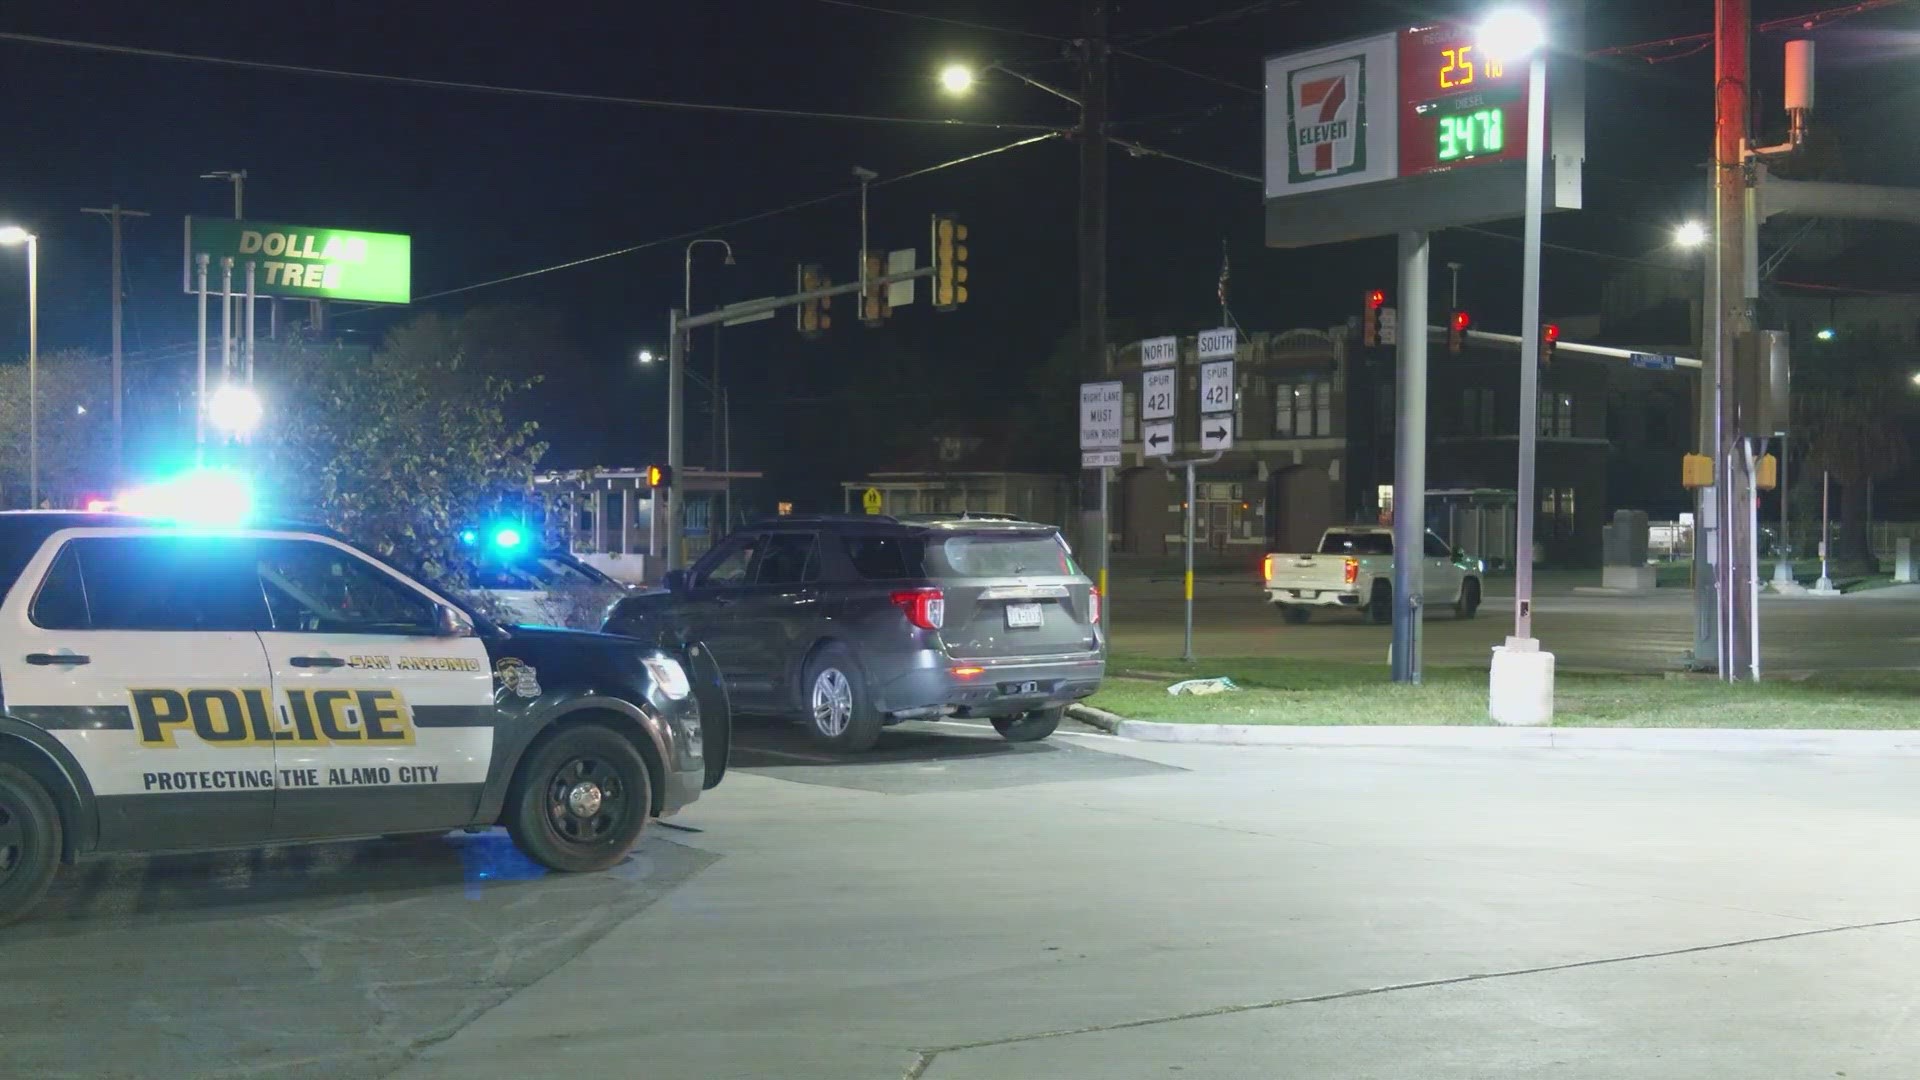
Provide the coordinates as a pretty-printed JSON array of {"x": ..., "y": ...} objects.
[
  {"x": 1093, "y": 606},
  {"x": 924, "y": 608},
  {"x": 1266, "y": 568},
  {"x": 1353, "y": 569}
]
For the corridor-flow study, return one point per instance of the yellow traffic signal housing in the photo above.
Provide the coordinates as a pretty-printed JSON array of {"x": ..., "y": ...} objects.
[
  {"x": 949, "y": 262},
  {"x": 814, "y": 317},
  {"x": 1766, "y": 472},
  {"x": 659, "y": 476},
  {"x": 874, "y": 308},
  {"x": 1696, "y": 471}
]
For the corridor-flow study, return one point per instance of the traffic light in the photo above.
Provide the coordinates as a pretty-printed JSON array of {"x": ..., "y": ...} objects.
[
  {"x": 1696, "y": 471},
  {"x": 1457, "y": 330},
  {"x": 814, "y": 316},
  {"x": 1766, "y": 472},
  {"x": 1370, "y": 317},
  {"x": 949, "y": 262},
  {"x": 1549, "y": 334},
  {"x": 873, "y": 301},
  {"x": 659, "y": 477}
]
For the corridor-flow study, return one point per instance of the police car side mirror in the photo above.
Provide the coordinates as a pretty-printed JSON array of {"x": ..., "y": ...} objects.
[
  {"x": 452, "y": 623},
  {"x": 675, "y": 581}
]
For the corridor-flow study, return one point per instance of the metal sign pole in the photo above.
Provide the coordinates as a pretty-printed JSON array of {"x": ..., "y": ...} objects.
[
  {"x": 200, "y": 393},
  {"x": 1105, "y": 548},
  {"x": 676, "y": 428},
  {"x": 1410, "y": 460},
  {"x": 1187, "y": 653}
]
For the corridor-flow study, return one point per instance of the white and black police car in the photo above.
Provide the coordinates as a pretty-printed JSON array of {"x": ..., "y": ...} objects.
[{"x": 167, "y": 689}]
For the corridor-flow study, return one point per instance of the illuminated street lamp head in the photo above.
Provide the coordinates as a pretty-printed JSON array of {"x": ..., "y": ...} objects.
[
  {"x": 646, "y": 356},
  {"x": 956, "y": 78},
  {"x": 1689, "y": 234},
  {"x": 235, "y": 410},
  {"x": 1916, "y": 378},
  {"x": 12, "y": 235},
  {"x": 1512, "y": 34},
  {"x": 1825, "y": 333}
]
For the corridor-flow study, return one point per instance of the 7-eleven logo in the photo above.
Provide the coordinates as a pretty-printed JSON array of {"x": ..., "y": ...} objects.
[{"x": 1324, "y": 119}]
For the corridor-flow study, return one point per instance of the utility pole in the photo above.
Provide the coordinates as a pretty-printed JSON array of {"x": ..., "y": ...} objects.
[
  {"x": 113, "y": 214},
  {"x": 1735, "y": 569},
  {"x": 1093, "y": 190}
]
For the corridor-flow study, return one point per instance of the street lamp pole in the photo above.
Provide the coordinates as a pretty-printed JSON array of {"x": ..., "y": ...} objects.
[
  {"x": 1520, "y": 685},
  {"x": 11, "y": 236}
]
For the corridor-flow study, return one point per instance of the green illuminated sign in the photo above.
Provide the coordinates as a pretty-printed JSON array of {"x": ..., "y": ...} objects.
[
  {"x": 302, "y": 261},
  {"x": 1470, "y": 134}
]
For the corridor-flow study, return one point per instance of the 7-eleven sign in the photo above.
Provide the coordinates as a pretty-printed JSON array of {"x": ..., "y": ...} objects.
[{"x": 1326, "y": 119}]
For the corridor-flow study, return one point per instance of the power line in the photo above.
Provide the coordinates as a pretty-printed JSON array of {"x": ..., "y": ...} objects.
[
  {"x": 1138, "y": 150},
  {"x": 735, "y": 223},
  {"x": 1810, "y": 21},
  {"x": 1230, "y": 15},
  {"x": 509, "y": 91},
  {"x": 944, "y": 20},
  {"x": 1189, "y": 72}
]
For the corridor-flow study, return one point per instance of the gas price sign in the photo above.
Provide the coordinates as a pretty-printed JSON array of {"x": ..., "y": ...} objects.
[{"x": 1458, "y": 106}]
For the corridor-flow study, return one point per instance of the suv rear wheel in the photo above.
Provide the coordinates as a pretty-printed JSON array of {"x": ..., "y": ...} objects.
[
  {"x": 839, "y": 709},
  {"x": 1029, "y": 727},
  {"x": 29, "y": 842}
]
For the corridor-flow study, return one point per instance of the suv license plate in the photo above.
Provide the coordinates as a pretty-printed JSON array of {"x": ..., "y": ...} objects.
[{"x": 1023, "y": 615}]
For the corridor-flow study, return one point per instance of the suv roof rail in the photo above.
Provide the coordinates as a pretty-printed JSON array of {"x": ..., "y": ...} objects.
[{"x": 824, "y": 518}]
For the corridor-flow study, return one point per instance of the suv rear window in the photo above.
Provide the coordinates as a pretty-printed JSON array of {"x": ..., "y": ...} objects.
[
  {"x": 1356, "y": 543},
  {"x": 987, "y": 555},
  {"x": 885, "y": 558}
]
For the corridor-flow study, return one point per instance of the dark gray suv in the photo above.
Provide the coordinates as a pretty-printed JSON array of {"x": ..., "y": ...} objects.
[{"x": 856, "y": 623}]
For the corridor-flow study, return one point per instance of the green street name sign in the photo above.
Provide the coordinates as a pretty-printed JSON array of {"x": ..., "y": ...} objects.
[{"x": 302, "y": 261}]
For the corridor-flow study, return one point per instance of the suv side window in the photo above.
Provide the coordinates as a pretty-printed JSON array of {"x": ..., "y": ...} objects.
[
  {"x": 169, "y": 583},
  {"x": 730, "y": 565},
  {"x": 886, "y": 558},
  {"x": 320, "y": 589},
  {"x": 1437, "y": 548},
  {"x": 789, "y": 559},
  {"x": 61, "y": 603}
]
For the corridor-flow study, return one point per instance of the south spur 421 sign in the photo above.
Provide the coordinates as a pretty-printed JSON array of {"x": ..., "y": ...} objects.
[{"x": 1416, "y": 128}]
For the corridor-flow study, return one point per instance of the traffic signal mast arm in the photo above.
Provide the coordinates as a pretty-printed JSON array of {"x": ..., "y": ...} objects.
[
  {"x": 775, "y": 303},
  {"x": 1563, "y": 345}
]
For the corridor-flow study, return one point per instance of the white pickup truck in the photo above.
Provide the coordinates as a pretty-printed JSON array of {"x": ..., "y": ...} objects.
[{"x": 1353, "y": 569}]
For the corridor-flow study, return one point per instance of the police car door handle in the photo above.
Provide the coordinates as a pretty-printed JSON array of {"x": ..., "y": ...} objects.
[
  {"x": 41, "y": 659},
  {"x": 317, "y": 661}
]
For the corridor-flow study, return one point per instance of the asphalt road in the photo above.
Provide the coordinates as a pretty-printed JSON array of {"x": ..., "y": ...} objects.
[
  {"x": 954, "y": 906},
  {"x": 1876, "y": 629}
]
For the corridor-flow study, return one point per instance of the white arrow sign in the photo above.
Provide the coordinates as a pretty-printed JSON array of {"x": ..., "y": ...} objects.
[
  {"x": 1216, "y": 433},
  {"x": 1158, "y": 439}
]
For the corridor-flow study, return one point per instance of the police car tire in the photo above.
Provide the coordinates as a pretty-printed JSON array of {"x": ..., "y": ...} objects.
[
  {"x": 25, "y": 801},
  {"x": 530, "y": 813}
]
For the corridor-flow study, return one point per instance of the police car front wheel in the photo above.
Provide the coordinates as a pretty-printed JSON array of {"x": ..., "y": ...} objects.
[
  {"x": 29, "y": 842},
  {"x": 581, "y": 800}
]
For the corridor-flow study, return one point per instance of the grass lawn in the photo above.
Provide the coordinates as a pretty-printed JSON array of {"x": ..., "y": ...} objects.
[{"x": 1283, "y": 691}]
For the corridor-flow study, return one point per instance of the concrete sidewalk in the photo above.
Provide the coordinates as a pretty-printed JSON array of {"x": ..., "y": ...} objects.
[{"x": 1256, "y": 912}]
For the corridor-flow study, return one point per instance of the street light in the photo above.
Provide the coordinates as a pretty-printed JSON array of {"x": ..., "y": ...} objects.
[
  {"x": 1825, "y": 333},
  {"x": 646, "y": 356},
  {"x": 1520, "y": 687},
  {"x": 1689, "y": 235},
  {"x": 956, "y": 79},
  {"x": 235, "y": 410},
  {"x": 13, "y": 236}
]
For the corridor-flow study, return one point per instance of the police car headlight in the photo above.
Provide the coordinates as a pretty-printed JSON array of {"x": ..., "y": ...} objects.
[{"x": 669, "y": 676}]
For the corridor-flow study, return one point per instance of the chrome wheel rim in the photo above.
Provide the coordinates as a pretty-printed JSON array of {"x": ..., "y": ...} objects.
[{"x": 832, "y": 702}]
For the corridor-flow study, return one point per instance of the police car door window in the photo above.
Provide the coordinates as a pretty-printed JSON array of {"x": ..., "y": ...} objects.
[
  {"x": 731, "y": 564},
  {"x": 317, "y": 588},
  {"x": 61, "y": 603},
  {"x": 170, "y": 583},
  {"x": 789, "y": 559}
]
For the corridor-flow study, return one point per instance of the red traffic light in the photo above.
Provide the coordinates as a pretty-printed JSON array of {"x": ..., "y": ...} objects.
[
  {"x": 1462, "y": 320},
  {"x": 1377, "y": 298},
  {"x": 1550, "y": 333}
]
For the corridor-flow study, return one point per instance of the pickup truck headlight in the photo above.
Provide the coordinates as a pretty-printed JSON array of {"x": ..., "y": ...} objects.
[{"x": 669, "y": 676}]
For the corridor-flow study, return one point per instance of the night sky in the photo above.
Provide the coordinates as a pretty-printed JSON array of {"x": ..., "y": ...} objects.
[{"x": 492, "y": 185}]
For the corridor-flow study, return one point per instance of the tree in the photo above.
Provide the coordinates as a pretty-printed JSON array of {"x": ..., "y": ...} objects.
[
  {"x": 398, "y": 451},
  {"x": 1852, "y": 418},
  {"x": 76, "y": 433}
]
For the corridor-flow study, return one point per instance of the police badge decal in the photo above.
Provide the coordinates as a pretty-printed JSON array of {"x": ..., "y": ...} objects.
[{"x": 517, "y": 677}]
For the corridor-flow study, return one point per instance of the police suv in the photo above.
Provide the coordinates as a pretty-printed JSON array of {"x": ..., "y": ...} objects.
[{"x": 167, "y": 689}]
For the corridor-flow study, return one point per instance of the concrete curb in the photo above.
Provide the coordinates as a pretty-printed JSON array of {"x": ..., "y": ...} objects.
[
  {"x": 1099, "y": 718},
  {"x": 1680, "y": 740}
]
